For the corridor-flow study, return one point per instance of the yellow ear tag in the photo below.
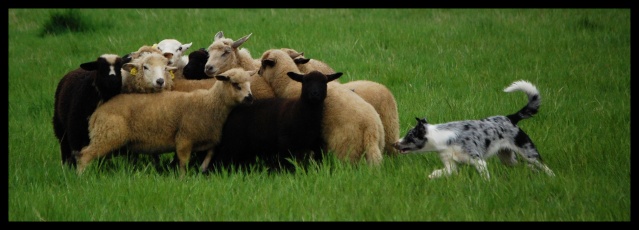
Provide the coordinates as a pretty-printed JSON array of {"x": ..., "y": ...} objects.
[
  {"x": 172, "y": 75},
  {"x": 155, "y": 45},
  {"x": 134, "y": 71}
]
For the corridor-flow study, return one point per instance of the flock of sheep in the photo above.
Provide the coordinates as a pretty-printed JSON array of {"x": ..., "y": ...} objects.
[{"x": 223, "y": 106}]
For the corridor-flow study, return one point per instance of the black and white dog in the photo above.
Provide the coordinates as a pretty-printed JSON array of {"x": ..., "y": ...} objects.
[{"x": 473, "y": 141}]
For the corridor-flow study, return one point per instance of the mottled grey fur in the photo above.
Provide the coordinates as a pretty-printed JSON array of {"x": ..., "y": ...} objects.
[{"x": 473, "y": 141}]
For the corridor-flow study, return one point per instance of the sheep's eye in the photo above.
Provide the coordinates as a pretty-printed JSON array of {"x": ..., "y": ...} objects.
[
  {"x": 236, "y": 86},
  {"x": 225, "y": 53},
  {"x": 179, "y": 49},
  {"x": 146, "y": 68}
]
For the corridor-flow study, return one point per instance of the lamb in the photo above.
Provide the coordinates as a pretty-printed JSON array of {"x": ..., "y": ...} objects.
[
  {"x": 224, "y": 54},
  {"x": 273, "y": 129},
  {"x": 77, "y": 95},
  {"x": 378, "y": 95},
  {"x": 174, "y": 51},
  {"x": 351, "y": 127},
  {"x": 147, "y": 73},
  {"x": 166, "y": 122}
]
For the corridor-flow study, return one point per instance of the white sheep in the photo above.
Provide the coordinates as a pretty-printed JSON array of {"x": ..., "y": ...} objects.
[
  {"x": 224, "y": 54},
  {"x": 164, "y": 122},
  {"x": 174, "y": 51},
  {"x": 351, "y": 127}
]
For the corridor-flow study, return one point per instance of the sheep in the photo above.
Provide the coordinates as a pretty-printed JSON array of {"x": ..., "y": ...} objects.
[
  {"x": 378, "y": 95},
  {"x": 307, "y": 65},
  {"x": 352, "y": 129},
  {"x": 77, "y": 95},
  {"x": 382, "y": 99},
  {"x": 224, "y": 54},
  {"x": 166, "y": 122},
  {"x": 148, "y": 73},
  {"x": 273, "y": 129},
  {"x": 174, "y": 51}
]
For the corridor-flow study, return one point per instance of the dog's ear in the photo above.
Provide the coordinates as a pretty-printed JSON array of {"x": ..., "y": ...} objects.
[{"x": 421, "y": 121}]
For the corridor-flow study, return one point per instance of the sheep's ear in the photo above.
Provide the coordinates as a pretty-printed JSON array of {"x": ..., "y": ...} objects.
[
  {"x": 218, "y": 36},
  {"x": 295, "y": 76},
  {"x": 252, "y": 72},
  {"x": 334, "y": 76},
  {"x": 129, "y": 66},
  {"x": 299, "y": 61},
  {"x": 222, "y": 78},
  {"x": 89, "y": 65},
  {"x": 268, "y": 62},
  {"x": 186, "y": 46},
  {"x": 126, "y": 58},
  {"x": 240, "y": 41}
]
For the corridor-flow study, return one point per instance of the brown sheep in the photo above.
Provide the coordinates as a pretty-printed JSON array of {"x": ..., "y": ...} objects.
[{"x": 170, "y": 121}]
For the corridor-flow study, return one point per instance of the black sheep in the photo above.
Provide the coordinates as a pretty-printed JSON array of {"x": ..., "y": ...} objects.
[
  {"x": 274, "y": 129},
  {"x": 77, "y": 95}
]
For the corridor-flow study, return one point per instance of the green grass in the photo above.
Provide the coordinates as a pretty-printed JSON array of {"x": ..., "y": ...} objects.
[{"x": 443, "y": 64}]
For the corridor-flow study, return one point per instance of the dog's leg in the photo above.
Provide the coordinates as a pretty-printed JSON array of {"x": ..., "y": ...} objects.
[
  {"x": 480, "y": 165},
  {"x": 449, "y": 165},
  {"x": 532, "y": 157},
  {"x": 507, "y": 157}
]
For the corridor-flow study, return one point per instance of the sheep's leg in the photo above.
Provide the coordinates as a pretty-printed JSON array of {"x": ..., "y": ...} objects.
[
  {"x": 207, "y": 159},
  {"x": 183, "y": 150}
]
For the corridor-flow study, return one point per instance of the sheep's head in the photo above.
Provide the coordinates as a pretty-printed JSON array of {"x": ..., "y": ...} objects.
[
  {"x": 275, "y": 62},
  {"x": 237, "y": 85},
  {"x": 143, "y": 51},
  {"x": 151, "y": 71},
  {"x": 173, "y": 50},
  {"x": 223, "y": 54},
  {"x": 195, "y": 68},
  {"x": 313, "y": 85},
  {"x": 109, "y": 75}
]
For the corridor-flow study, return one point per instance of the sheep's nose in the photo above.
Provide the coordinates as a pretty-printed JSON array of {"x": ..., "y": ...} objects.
[
  {"x": 249, "y": 99},
  {"x": 160, "y": 81},
  {"x": 168, "y": 55}
]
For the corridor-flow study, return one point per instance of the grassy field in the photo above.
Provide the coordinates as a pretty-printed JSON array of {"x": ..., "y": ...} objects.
[{"x": 443, "y": 64}]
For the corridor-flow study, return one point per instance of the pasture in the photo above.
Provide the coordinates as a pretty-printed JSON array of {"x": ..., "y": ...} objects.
[{"x": 443, "y": 64}]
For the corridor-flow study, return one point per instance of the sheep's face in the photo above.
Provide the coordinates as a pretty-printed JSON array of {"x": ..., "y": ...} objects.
[
  {"x": 173, "y": 50},
  {"x": 313, "y": 85},
  {"x": 152, "y": 70},
  {"x": 237, "y": 85},
  {"x": 274, "y": 62},
  {"x": 222, "y": 57},
  {"x": 223, "y": 54},
  {"x": 109, "y": 75}
]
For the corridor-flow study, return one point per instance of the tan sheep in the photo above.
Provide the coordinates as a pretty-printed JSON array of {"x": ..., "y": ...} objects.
[
  {"x": 165, "y": 122},
  {"x": 351, "y": 127},
  {"x": 310, "y": 64},
  {"x": 224, "y": 54},
  {"x": 148, "y": 73},
  {"x": 378, "y": 95}
]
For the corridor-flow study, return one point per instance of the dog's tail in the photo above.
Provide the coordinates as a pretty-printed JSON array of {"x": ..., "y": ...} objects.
[{"x": 534, "y": 100}]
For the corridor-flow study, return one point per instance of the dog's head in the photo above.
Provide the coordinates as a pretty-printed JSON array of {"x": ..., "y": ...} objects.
[{"x": 415, "y": 139}]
